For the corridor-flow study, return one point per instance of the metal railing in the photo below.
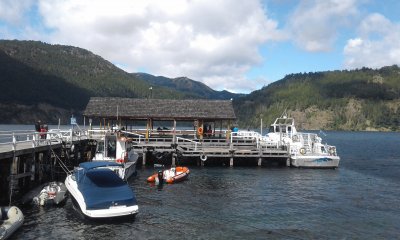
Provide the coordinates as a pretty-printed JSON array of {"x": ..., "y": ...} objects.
[
  {"x": 17, "y": 138},
  {"x": 195, "y": 143}
]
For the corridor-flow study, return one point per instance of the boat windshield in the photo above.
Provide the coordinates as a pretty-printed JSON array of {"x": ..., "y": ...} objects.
[
  {"x": 111, "y": 149},
  {"x": 104, "y": 177}
]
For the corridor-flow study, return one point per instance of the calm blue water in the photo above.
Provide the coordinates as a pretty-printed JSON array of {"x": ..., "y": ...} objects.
[{"x": 360, "y": 200}]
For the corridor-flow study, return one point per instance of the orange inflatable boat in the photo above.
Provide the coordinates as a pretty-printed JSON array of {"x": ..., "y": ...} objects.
[{"x": 172, "y": 175}]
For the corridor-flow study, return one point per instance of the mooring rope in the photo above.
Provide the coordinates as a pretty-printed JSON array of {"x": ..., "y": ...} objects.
[{"x": 60, "y": 162}]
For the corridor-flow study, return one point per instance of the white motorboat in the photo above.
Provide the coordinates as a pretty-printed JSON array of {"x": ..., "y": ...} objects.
[
  {"x": 51, "y": 193},
  {"x": 306, "y": 149},
  {"x": 114, "y": 148},
  {"x": 11, "y": 218},
  {"x": 100, "y": 192}
]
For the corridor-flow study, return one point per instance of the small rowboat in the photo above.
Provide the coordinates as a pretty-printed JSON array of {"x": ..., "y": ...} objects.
[
  {"x": 52, "y": 193},
  {"x": 172, "y": 175},
  {"x": 11, "y": 218}
]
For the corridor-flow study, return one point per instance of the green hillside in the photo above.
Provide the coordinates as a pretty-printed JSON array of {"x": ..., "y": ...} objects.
[
  {"x": 40, "y": 80},
  {"x": 48, "y": 82},
  {"x": 363, "y": 99},
  {"x": 44, "y": 81}
]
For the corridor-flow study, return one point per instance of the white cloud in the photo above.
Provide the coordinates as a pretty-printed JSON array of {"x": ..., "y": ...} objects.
[
  {"x": 315, "y": 24},
  {"x": 377, "y": 44},
  {"x": 214, "y": 41},
  {"x": 12, "y": 11}
]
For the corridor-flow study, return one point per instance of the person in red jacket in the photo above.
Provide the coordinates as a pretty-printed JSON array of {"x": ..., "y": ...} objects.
[{"x": 43, "y": 130}]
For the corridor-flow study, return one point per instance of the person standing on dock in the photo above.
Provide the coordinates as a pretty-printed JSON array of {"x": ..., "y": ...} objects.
[
  {"x": 43, "y": 129},
  {"x": 37, "y": 126}
]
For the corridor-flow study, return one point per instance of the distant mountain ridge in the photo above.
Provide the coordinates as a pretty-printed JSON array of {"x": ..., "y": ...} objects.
[
  {"x": 184, "y": 84},
  {"x": 40, "y": 80},
  {"x": 361, "y": 99}
]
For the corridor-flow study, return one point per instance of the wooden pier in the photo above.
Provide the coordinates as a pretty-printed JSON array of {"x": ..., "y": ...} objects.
[
  {"x": 28, "y": 158},
  {"x": 199, "y": 131},
  {"x": 200, "y": 151}
]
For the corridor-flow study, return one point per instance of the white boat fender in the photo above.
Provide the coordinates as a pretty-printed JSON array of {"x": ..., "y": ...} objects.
[
  {"x": 302, "y": 151},
  {"x": 331, "y": 151},
  {"x": 159, "y": 155},
  {"x": 203, "y": 157}
]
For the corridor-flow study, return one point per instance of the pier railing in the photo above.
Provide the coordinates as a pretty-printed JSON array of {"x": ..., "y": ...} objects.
[{"x": 11, "y": 140}]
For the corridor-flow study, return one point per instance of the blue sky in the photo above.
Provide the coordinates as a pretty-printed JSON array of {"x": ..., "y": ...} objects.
[{"x": 235, "y": 45}]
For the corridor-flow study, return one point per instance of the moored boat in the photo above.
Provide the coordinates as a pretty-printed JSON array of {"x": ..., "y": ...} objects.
[
  {"x": 114, "y": 148},
  {"x": 172, "y": 175},
  {"x": 11, "y": 219},
  {"x": 51, "y": 193},
  {"x": 306, "y": 149},
  {"x": 100, "y": 192}
]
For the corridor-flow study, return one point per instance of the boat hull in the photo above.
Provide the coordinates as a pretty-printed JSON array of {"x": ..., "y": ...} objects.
[
  {"x": 114, "y": 211},
  {"x": 315, "y": 161},
  {"x": 52, "y": 193},
  {"x": 172, "y": 176},
  {"x": 129, "y": 170},
  {"x": 12, "y": 218}
]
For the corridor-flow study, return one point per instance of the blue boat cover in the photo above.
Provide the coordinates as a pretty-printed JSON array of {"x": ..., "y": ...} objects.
[
  {"x": 90, "y": 165},
  {"x": 103, "y": 188}
]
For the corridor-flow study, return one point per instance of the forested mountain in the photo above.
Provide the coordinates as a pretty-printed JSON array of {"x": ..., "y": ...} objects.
[
  {"x": 363, "y": 99},
  {"x": 40, "y": 80},
  {"x": 48, "y": 82},
  {"x": 184, "y": 84}
]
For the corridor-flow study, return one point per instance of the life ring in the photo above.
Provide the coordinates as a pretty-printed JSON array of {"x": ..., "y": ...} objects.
[
  {"x": 120, "y": 160},
  {"x": 200, "y": 131},
  {"x": 302, "y": 151},
  {"x": 203, "y": 157}
]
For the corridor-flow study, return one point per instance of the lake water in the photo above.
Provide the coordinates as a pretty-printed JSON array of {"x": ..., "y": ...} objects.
[{"x": 360, "y": 200}]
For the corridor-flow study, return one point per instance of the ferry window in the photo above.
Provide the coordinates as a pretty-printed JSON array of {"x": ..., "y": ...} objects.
[
  {"x": 277, "y": 129},
  {"x": 284, "y": 129},
  {"x": 271, "y": 129},
  {"x": 323, "y": 149},
  {"x": 289, "y": 129},
  {"x": 111, "y": 149}
]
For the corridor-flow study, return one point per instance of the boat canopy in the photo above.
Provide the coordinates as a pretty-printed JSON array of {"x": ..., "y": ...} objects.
[
  {"x": 98, "y": 164},
  {"x": 102, "y": 188}
]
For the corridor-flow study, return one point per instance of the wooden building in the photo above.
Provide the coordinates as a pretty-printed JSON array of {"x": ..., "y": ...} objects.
[
  {"x": 207, "y": 135},
  {"x": 125, "y": 111}
]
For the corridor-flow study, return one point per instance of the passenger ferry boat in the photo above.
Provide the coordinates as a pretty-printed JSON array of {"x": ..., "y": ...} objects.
[
  {"x": 306, "y": 149},
  {"x": 114, "y": 148}
]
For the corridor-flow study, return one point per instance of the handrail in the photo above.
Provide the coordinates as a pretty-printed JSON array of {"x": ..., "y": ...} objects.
[
  {"x": 16, "y": 137},
  {"x": 188, "y": 140}
]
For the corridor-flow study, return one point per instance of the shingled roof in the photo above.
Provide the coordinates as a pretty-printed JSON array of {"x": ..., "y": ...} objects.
[{"x": 161, "y": 109}]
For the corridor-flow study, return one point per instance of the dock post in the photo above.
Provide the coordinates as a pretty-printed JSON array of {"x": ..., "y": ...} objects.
[
  {"x": 144, "y": 157},
  {"x": 288, "y": 162},
  {"x": 173, "y": 159},
  {"x": 259, "y": 161},
  {"x": 231, "y": 162}
]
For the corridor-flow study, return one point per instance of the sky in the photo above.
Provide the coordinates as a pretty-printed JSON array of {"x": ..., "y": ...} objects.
[{"x": 233, "y": 45}]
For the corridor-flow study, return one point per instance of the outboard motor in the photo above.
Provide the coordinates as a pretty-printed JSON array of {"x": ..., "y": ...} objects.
[{"x": 160, "y": 176}]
